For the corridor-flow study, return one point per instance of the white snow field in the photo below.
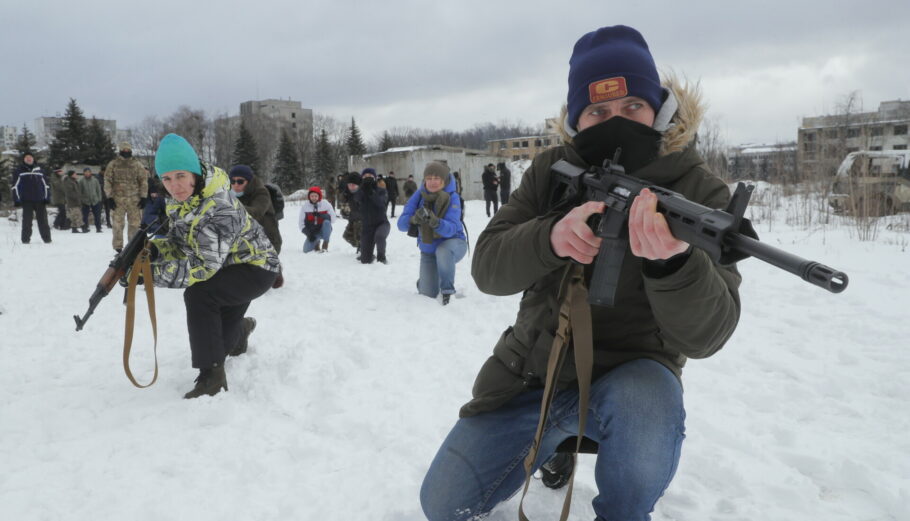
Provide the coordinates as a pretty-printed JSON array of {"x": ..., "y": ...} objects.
[{"x": 352, "y": 380}]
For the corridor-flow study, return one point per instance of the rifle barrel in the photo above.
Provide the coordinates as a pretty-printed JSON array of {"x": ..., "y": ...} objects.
[{"x": 810, "y": 271}]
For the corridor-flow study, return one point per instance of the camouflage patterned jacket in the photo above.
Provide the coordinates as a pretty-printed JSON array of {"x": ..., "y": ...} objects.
[
  {"x": 125, "y": 180},
  {"x": 209, "y": 231}
]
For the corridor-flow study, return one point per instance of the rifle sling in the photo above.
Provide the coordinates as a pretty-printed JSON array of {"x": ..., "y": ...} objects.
[
  {"x": 142, "y": 265},
  {"x": 574, "y": 323}
]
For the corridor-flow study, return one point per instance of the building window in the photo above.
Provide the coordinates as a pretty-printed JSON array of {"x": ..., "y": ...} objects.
[
  {"x": 524, "y": 144},
  {"x": 875, "y": 148},
  {"x": 900, "y": 130},
  {"x": 899, "y": 147},
  {"x": 831, "y": 133},
  {"x": 852, "y": 149},
  {"x": 810, "y": 137},
  {"x": 546, "y": 142},
  {"x": 515, "y": 158},
  {"x": 525, "y": 156},
  {"x": 516, "y": 144},
  {"x": 876, "y": 131},
  {"x": 294, "y": 125},
  {"x": 852, "y": 132},
  {"x": 293, "y": 114}
]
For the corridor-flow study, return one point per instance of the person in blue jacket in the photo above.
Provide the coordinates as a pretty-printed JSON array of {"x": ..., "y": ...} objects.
[
  {"x": 32, "y": 192},
  {"x": 435, "y": 211}
]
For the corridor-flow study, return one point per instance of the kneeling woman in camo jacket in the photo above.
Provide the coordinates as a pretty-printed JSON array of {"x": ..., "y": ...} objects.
[{"x": 216, "y": 251}]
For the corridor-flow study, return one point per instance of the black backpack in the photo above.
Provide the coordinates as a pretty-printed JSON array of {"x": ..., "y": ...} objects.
[{"x": 277, "y": 200}]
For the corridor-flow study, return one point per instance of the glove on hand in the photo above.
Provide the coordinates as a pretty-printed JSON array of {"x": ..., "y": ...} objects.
[
  {"x": 111, "y": 203},
  {"x": 142, "y": 202},
  {"x": 432, "y": 220},
  {"x": 420, "y": 216}
]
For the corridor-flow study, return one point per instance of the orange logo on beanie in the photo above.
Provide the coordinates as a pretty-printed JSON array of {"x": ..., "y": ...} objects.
[{"x": 605, "y": 90}]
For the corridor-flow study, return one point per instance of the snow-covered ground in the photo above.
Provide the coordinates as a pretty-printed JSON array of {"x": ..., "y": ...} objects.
[{"x": 352, "y": 380}]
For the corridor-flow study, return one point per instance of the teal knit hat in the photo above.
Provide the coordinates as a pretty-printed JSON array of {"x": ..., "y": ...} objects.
[{"x": 175, "y": 153}]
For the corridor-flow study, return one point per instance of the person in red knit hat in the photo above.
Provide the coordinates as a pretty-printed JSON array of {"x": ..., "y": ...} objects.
[{"x": 316, "y": 218}]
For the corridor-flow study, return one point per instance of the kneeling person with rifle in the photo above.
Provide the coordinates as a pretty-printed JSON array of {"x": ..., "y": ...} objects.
[
  {"x": 214, "y": 249},
  {"x": 619, "y": 385}
]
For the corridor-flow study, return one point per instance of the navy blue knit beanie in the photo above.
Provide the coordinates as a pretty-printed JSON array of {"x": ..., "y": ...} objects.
[
  {"x": 368, "y": 170},
  {"x": 241, "y": 171},
  {"x": 611, "y": 63}
]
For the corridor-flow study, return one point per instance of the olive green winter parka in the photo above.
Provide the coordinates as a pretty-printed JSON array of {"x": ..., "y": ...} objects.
[{"x": 689, "y": 313}]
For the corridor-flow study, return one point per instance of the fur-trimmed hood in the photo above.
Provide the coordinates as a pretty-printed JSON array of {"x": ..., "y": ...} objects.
[{"x": 683, "y": 108}]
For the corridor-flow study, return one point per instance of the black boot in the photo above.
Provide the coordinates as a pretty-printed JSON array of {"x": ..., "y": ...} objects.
[
  {"x": 246, "y": 327},
  {"x": 84, "y": 228},
  {"x": 445, "y": 299},
  {"x": 555, "y": 472},
  {"x": 209, "y": 382},
  {"x": 76, "y": 230}
]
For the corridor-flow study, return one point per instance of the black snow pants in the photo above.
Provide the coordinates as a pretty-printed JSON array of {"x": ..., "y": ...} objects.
[{"x": 215, "y": 310}]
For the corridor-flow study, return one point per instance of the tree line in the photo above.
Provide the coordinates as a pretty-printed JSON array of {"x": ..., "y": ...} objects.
[{"x": 292, "y": 159}]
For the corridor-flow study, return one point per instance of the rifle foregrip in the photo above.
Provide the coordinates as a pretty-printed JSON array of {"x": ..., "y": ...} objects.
[{"x": 604, "y": 281}]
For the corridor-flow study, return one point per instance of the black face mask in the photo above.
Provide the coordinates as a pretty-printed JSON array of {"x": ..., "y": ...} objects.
[
  {"x": 126, "y": 153},
  {"x": 639, "y": 143}
]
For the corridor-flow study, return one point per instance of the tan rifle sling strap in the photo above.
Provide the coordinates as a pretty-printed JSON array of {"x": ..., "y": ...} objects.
[
  {"x": 142, "y": 265},
  {"x": 574, "y": 324}
]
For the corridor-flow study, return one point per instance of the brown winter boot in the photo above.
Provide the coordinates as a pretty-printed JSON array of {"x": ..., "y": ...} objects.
[
  {"x": 209, "y": 382},
  {"x": 325, "y": 247},
  {"x": 246, "y": 327}
]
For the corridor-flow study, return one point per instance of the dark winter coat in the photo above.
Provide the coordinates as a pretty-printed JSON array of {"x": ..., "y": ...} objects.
[
  {"x": 57, "y": 196},
  {"x": 391, "y": 186},
  {"x": 30, "y": 184},
  {"x": 409, "y": 188},
  {"x": 505, "y": 180},
  {"x": 371, "y": 201},
  {"x": 258, "y": 203},
  {"x": 71, "y": 192},
  {"x": 489, "y": 179},
  {"x": 156, "y": 209},
  {"x": 689, "y": 313}
]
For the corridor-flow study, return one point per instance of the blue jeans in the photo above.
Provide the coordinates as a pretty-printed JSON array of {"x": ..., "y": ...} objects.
[
  {"x": 437, "y": 270},
  {"x": 635, "y": 414},
  {"x": 324, "y": 233}
]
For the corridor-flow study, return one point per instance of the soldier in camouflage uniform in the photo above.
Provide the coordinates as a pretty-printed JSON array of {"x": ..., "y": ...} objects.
[{"x": 126, "y": 191}]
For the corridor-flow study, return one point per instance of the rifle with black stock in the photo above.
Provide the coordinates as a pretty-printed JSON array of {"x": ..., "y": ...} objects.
[
  {"x": 725, "y": 235},
  {"x": 118, "y": 267}
]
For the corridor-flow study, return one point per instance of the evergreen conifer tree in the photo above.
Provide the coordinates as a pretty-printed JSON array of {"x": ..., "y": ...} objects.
[
  {"x": 245, "y": 150},
  {"x": 386, "y": 142},
  {"x": 70, "y": 143},
  {"x": 25, "y": 143},
  {"x": 354, "y": 142},
  {"x": 288, "y": 174},
  {"x": 325, "y": 160},
  {"x": 6, "y": 173},
  {"x": 100, "y": 146}
]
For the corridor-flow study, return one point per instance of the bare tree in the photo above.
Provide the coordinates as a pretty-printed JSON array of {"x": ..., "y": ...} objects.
[
  {"x": 713, "y": 149},
  {"x": 145, "y": 138}
]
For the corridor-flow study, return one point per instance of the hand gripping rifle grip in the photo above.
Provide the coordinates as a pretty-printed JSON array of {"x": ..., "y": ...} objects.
[{"x": 604, "y": 281}]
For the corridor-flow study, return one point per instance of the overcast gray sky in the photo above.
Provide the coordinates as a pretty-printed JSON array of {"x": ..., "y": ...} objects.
[{"x": 762, "y": 66}]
